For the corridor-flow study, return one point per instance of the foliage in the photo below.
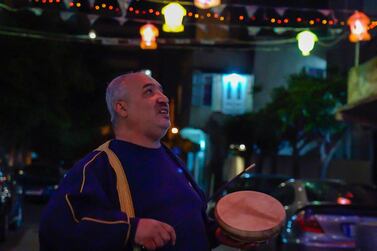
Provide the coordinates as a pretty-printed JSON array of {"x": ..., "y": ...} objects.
[{"x": 302, "y": 112}]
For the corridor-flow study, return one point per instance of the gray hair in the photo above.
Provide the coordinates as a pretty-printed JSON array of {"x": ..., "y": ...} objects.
[{"x": 115, "y": 91}]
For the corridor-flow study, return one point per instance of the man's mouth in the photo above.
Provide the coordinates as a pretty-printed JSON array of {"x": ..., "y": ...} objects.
[{"x": 163, "y": 110}]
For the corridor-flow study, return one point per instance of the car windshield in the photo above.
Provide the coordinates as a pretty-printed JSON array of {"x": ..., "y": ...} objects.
[{"x": 340, "y": 193}]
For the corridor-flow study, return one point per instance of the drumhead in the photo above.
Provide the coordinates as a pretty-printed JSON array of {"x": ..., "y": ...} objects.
[{"x": 250, "y": 215}]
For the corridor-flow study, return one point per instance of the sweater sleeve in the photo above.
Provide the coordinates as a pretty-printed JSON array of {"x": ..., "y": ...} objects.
[{"x": 83, "y": 214}]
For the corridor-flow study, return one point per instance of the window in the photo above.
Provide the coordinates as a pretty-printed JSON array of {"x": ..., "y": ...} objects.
[{"x": 202, "y": 89}]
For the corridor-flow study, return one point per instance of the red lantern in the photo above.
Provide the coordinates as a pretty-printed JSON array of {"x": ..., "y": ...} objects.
[
  {"x": 148, "y": 33},
  {"x": 359, "y": 26}
]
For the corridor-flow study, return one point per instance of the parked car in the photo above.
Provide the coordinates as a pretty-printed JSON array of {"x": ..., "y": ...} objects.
[
  {"x": 38, "y": 181},
  {"x": 11, "y": 213},
  {"x": 323, "y": 215}
]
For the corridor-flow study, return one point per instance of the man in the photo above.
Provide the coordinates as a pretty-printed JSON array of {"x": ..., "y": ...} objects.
[
  {"x": 85, "y": 213},
  {"x": 170, "y": 209}
]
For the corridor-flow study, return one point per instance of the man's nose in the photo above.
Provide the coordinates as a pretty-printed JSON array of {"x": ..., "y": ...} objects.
[{"x": 163, "y": 98}]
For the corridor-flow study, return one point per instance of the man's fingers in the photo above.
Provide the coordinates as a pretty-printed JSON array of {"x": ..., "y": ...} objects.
[
  {"x": 150, "y": 245},
  {"x": 170, "y": 231},
  {"x": 165, "y": 236}
]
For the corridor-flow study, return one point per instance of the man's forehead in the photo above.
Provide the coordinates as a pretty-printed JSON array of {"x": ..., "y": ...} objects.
[{"x": 140, "y": 80}]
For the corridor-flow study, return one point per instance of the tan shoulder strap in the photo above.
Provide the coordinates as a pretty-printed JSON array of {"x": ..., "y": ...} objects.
[{"x": 123, "y": 189}]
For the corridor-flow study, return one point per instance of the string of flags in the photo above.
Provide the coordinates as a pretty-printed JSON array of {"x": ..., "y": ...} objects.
[{"x": 174, "y": 13}]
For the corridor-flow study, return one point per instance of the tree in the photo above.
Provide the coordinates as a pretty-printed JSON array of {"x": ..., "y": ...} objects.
[{"x": 306, "y": 108}]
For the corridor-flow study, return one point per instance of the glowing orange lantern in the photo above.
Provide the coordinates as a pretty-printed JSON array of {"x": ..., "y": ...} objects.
[
  {"x": 206, "y": 4},
  {"x": 148, "y": 33},
  {"x": 358, "y": 24}
]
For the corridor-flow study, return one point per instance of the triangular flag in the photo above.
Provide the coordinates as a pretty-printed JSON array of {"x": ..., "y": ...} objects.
[
  {"x": 251, "y": 9},
  {"x": 65, "y": 15},
  {"x": 37, "y": 11},
  {"x": 91, "y": 3},
  {"x": 121, "y": 20},
  {"x": 123, "y": 4},
  {"x": 324, "y": 12},
  {"x": 218, "y": 9},
  {"x": 92, "y": 18},
  {"x": 252, "y": 31},
  {"x": 66, "y": 3},
  {"x": 280, "y": 11},
  {"x": 203, "y": 27}
]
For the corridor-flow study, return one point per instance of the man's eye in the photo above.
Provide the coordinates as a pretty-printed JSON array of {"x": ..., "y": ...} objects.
[{"x": 149, "y": 91}]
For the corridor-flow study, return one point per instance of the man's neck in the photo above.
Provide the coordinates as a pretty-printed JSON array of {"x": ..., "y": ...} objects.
[{"x": 137, "y": 139}]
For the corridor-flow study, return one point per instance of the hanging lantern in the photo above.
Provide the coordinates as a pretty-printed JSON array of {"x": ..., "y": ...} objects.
[
  {"x": 358, "y": 24},
  {"x": 306, "y": 41},
  {"x": 173, "y": 13},
  {"x": 206, "y": 4},
  {"x": 148, "y": 33}
]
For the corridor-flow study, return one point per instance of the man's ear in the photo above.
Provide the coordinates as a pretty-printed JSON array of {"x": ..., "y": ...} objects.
[{"x": 121, "y": 108}]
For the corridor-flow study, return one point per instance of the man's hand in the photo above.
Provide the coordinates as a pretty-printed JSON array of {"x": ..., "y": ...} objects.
[{"x": 152, "y": 234}]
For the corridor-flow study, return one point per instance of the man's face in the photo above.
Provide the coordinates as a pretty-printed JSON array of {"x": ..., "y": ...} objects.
[{"x": 147, "y": 106}]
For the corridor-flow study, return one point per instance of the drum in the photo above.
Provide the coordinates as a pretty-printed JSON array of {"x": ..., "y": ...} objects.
[{"x": 249, "y": 216}]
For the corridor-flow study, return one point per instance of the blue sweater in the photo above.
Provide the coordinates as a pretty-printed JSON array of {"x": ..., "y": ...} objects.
[{"x": 85, "y": 214}]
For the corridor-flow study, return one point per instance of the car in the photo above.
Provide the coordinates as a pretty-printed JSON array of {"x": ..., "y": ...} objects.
[
  {"x": 324, "y": 214},
  {"x": 38, "y": 181},
  {"x": 11, "y": 210}
]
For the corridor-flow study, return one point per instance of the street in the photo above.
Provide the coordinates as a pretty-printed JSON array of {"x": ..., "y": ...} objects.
[{"x": 25, "y": 238}]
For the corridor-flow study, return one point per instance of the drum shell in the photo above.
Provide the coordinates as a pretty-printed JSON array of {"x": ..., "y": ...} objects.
[{"x": 249, "y": 216}]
